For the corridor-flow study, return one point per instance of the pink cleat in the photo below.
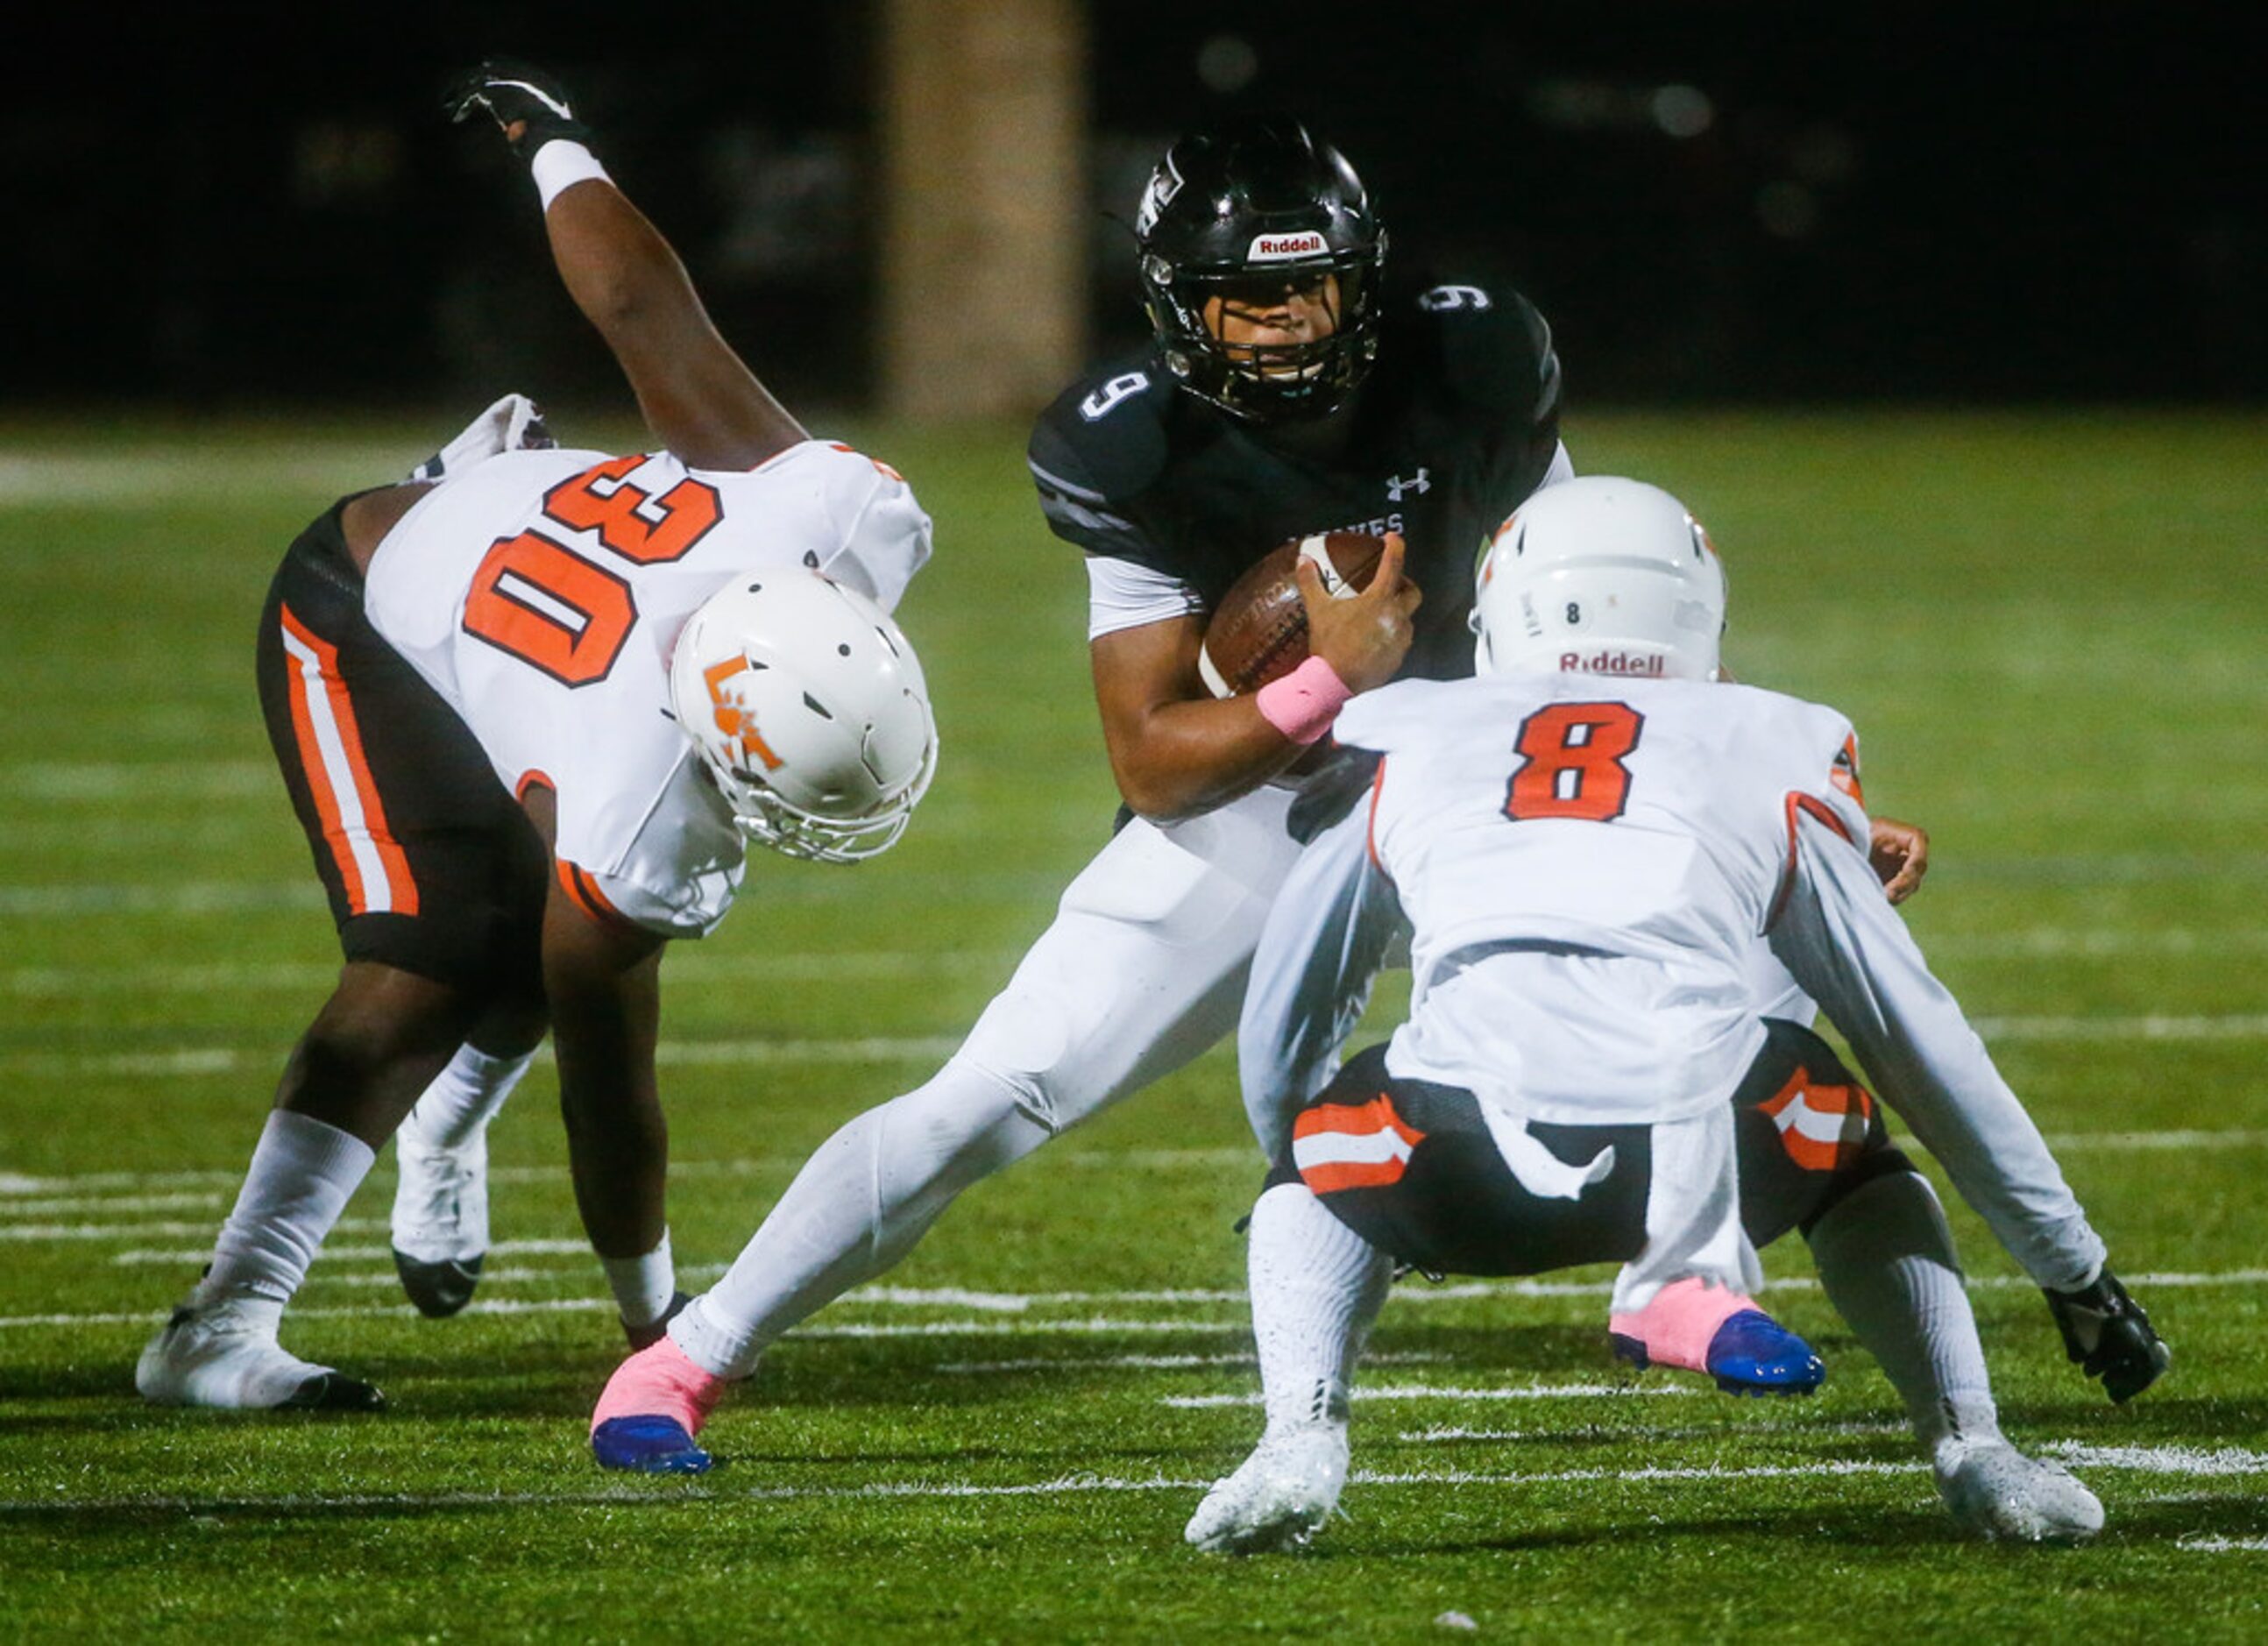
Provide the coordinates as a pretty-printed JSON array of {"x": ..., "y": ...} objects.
[
  {"x": 653, "y": 1405},
  {"x": 1714, "y": 1329}
]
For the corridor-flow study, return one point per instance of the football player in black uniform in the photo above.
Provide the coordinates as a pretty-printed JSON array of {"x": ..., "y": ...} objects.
[{"x": 1286, "y": 394}]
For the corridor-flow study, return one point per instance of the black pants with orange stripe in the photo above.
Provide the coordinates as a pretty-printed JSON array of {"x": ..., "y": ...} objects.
[
  {"x": 430, "y": 866},
  {"x": 1439, "y": 1197}
]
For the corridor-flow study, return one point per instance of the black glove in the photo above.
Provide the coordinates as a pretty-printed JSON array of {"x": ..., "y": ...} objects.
[
  {"x": 512, "y": 93},
  {"x": 2106, "y": 1332}
]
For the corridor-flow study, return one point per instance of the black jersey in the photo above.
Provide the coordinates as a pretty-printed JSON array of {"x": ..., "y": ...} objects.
[{"x": 1457, "y": 423}]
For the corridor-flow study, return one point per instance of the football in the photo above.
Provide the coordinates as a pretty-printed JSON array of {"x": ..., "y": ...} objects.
[{"x": 1258, "y": 632}]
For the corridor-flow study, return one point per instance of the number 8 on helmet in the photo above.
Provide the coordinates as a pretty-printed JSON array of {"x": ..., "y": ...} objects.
[{"x": 1599, "y": 576}]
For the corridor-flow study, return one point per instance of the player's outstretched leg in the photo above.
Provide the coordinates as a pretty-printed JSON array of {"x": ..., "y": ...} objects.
[
  {"x": 1316, "y": 1286},
  {"x": 1886, "y": 1259},
  {"x": 1713, "y": 1328},
  {"x": 441, "y": 1196},
  {"x": 857, "y": 1206}
]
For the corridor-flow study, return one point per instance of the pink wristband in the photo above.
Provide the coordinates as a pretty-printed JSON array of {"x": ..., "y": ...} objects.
[{"x": 1303, "y": 703}]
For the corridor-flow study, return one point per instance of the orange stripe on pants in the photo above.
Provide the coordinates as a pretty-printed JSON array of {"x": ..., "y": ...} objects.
[{"x": 390, "y": 889}]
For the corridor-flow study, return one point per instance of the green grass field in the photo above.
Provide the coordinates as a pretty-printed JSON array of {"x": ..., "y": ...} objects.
[{"x": 2049, "y": 629}]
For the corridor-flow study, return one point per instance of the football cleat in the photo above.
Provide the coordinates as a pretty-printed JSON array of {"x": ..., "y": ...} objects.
[
  {"x": 2106, "y": 1333},
  {"x": 225, "y": 1355},
  {"x": 647, "y": 1336},
  {"x": 1279, "y": 1496},
  {"x": 440, "y": 1218},
  {"x": 1752, "y": 1354},
  {"x": 1998, "y": 1494},
  {"x": 649, "y": 1445},
  {"x": 653, "y": 1405},
  {"x": 1698, "y": 1327}
]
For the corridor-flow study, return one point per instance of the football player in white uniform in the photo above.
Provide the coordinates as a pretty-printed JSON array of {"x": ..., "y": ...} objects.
[
  {"x": 1589, "y": 840},
  {"x": 530, "y": 708}
]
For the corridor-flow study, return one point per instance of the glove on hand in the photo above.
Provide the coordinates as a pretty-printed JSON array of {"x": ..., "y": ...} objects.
[
  {"x": 528, "y": 104},
  {"x": 2106, "y": 1333}
]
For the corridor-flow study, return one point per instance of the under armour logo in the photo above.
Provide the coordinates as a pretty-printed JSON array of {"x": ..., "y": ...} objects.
[{"x": 1397, "y": 485}]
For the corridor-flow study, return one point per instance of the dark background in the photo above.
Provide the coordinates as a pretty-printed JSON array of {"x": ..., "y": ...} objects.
[{"x": 1712, "y": 201}]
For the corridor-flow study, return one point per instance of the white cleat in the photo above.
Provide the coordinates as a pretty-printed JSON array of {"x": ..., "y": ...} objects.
[
  {"x": 440, "y": 1218},
  {"x": 225, "y": 1355},
  {"x": 1279, "y": 1496},
  {"x": 1997, "y": 1492}
]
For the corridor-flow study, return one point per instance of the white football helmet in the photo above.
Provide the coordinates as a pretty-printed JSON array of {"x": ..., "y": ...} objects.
[
  {"x": 1599, "y": 576},
  {"x": 808, "y": 708}
]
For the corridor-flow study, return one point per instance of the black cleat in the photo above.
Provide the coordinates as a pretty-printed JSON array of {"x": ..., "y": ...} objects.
[
  {"x": 438, "y": 1289},
  {"x": 2106, "y": 1333},
  {"x": 647, "y": 1336},
  {"x": 335, "y": 1392}
]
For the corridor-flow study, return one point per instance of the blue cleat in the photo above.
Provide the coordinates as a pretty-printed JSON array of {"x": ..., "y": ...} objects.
[
  {"x": 1752, "y": 1354},
  {"x": 1698, "y": 1326},
  {"x": 650, "y": 1445}
]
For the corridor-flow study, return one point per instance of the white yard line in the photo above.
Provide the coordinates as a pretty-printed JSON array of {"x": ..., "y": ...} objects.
[
  {"x": 630, "y": 1492},
  {"x": 132, "y": 1183},
  {"x": 189, "y": 1061},
  {"x": 1150, "y": 1362},
  {"x": 1422, "y": 1391},
  {"x": 1440, "y": 1432},
  {"x": 692, "y": 969},
  {"x": 2188, "y": 1460},
  {"x": 159, "y": 474},
  {"x": 158, "y": 977}
]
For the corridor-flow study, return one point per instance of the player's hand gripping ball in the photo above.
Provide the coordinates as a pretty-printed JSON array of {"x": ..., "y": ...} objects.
[{"x": 1258, "y": 632}]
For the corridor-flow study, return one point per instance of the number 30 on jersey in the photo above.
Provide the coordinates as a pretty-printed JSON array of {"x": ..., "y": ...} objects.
[{"x": 569, "y": 616}]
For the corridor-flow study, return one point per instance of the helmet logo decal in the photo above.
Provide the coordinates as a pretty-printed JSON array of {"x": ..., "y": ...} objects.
[
  {"x": 1164, "y": 184},
  {"x": 1275, "y": 248},
  {"x": 1612, "y": 663},
  {"x": 733, "y": 719}
]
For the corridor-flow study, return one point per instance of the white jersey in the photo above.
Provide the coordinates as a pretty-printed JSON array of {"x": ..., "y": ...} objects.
[
  {"x": 1589, "y": 865},
  {"x": 539, "y": 592}
]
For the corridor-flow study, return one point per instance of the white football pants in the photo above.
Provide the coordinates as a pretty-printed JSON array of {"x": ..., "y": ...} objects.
[{"x": 1143, "y": 969}]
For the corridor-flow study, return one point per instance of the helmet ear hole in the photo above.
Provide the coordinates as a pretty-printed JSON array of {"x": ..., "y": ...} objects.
[{"x": 808, "y": 711}]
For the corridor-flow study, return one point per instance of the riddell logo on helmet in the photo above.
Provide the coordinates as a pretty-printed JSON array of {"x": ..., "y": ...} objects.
[
  {"x": 1608, "y": 663},
  {"x": 1269, "y": 248}
]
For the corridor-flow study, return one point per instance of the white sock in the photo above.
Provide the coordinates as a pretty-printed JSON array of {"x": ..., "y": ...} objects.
[
  {"x": 1692, "y": 1216},
  {"x": 1316, "y": 1286},
  {"x": 643, "y": 1286},
  {"x": 464, "y": 1097},
  {"x": 302, "y": 1174},
  {"x": 1885, "y": 1256},
  {"x": 857, "y": 1206}
]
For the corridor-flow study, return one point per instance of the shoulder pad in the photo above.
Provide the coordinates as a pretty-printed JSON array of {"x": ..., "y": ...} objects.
[
  {"x": 1106, "y": 434},
  {"x": 1491, "y": 348}
]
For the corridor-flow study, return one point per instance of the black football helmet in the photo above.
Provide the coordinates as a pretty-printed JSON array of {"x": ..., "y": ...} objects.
[{"x": 1250, "y": 210}]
